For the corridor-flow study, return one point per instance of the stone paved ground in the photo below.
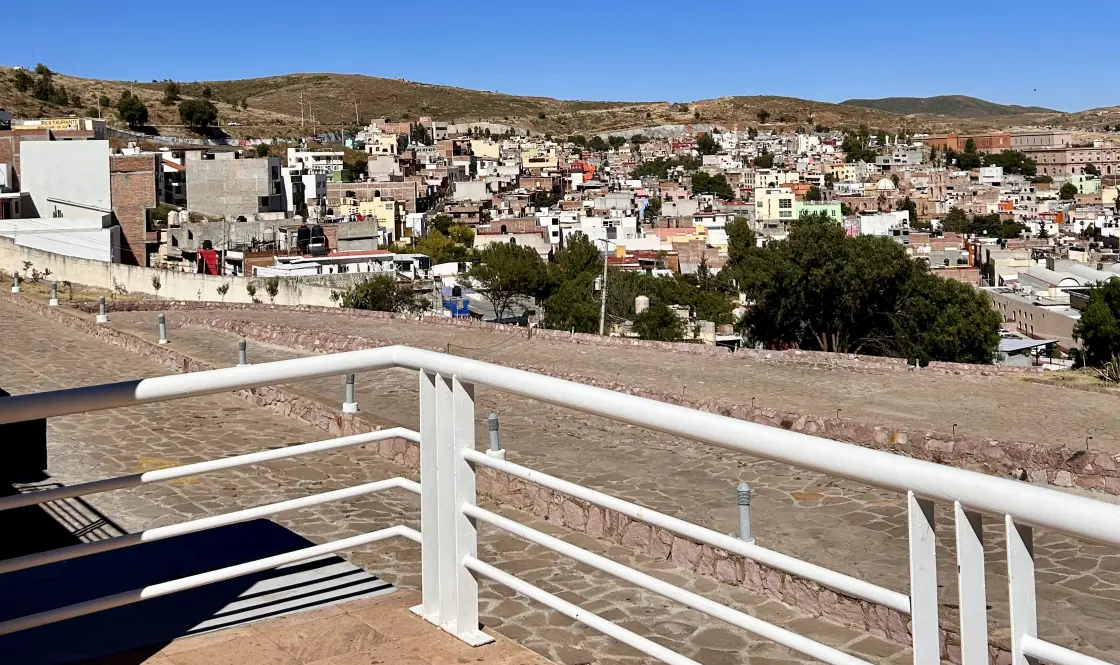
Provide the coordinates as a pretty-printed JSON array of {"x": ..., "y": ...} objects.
[
  {"x": 1001, "y": 408},
  {"x": 843, "y": 525},
  {"x": 42, "y": 355}
]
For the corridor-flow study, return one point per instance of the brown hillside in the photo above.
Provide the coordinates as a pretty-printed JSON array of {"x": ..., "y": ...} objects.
[{"x": 330, "y": 99}]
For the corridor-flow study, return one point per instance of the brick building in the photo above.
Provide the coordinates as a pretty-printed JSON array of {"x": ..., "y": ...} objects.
[
  {"x": 985, "y": 143},
  {"x": 135, "y": 182}
]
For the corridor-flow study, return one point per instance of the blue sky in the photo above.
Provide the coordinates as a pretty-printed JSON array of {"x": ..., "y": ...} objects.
[{"x": 1042, "y": 53}]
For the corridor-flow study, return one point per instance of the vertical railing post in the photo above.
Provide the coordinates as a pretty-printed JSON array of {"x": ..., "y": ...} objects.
[
  {"x": 447, "y": 483},
  {"x": 923, "y": 581},
  {"x": 1020, "y": 587},
  {"x": 971, "y": 589},
  {"x": 492, "y": 426}
]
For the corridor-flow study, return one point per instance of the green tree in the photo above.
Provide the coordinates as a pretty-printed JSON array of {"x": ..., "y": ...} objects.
[
  {"x": 616, "y": 141},
  {"x": 206, "y": 92},
  {"x": 912, "y": 208},
  {"x": 104, "y": 101},
  {"x": 461, "y": 234},
  {"x": 441, "y": 224},
  {"x": 706, "y": 145},
  {"x": 441, "y": 248},
  {"x": 1091, "y": 169},
  {"x": 23, "y": 80},
  {"x": 244, "y": 102},
  {"x": 956, "y": 221},
  {"x": 763, "y": 115},
  {"x": 198, "y": 114},
  {"x": 505, "y": 273},
  {"x": 1013, "y": 162},
  {"x": 132, "y": 110},
  {"x": 573, "y": 305},
  {"x": 702, "y": 183},
  {"x": 1068, "y": 192},
  {"x": 764, "y": 160},
  {"x": 969, "y": 159},
  {"x": 659, "y": 323},
  {"x": 813, "y": 194},
  {"x": 598, "y": 144},
  {"x": 823, "y": 290},
  {"x": 653, "y": 209},
  {"x": 383, "y": 293},
  {"x": 261, "y": 149},
  {"x": 1098, "y": 329},
  {"x": 170, "y": 93},
  {"x": 420, "y": 134},
  {"x": 578, "y": 139},
  {"x": 579, "y": 255}
]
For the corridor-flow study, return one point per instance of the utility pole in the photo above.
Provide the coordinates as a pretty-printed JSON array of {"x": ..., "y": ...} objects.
[
  {"x": 301, "y": 109},
  {"x": 603, "y": 295},
  {"x": 357, "y": 121}
]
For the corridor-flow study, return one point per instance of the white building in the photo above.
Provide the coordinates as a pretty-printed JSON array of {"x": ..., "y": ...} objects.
[
  {"x": 775, "y": 203},
  {"x": 326, "y": 162}
]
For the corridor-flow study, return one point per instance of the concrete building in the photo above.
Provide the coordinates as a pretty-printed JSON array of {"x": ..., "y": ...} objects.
[
  {"x": 319, "y": 162},
  {"x": 225, "y": 183},
  {"x": 302, "y": 187},
  {"x": 1031, "y": 141},
  {"x": 775, "y": 204}
]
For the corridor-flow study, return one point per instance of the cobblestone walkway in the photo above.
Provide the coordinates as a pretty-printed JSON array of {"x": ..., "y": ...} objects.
[
  {"x": 42, "y": 355},
  {"x": 842, "y": 525}
]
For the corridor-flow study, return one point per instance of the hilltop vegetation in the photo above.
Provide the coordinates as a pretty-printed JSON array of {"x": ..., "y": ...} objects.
[{"x": 954, "y": 106}]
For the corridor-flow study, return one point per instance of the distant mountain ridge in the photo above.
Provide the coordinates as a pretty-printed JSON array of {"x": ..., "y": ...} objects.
[{"x": 954, "y": 106}]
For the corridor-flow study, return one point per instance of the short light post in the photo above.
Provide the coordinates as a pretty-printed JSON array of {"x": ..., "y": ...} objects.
[
  {"x": 161, "y": 321},
  {"x": 102, "y": 317},
  {"x": 54, "y": 295},
  {"x": 495, "y": 449},
  {"x": 15, "y": 282},
  {"x": 351, "y": 404},
  {"x": 743, "y": 498},
  {"x": 242, "y": 354}
]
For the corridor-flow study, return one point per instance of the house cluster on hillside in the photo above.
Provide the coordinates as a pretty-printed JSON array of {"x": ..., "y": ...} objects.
[{"x": 1012, "y": 212}]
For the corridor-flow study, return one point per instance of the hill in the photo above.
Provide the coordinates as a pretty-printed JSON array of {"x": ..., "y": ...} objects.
[
  {"x": 271, "y": 107},
  {"x": 953, "y": 106}
]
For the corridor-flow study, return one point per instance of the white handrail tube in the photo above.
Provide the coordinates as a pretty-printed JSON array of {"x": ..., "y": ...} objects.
[
  {"x": 589, "y": 619},
  {"x": 823, "y": 576},
  {"x": 734, "y": 617},
  {"x": 122, "y": 482},
  {"x": 201, "y": 579},
  {"x": 1054, "y": 654},
  {"x": 194, "y": 526},
  {"x": 1030, "y": 504}
]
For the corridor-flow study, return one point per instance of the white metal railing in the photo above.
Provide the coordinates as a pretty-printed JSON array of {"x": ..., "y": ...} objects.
[{"x": 449, "y": 514}]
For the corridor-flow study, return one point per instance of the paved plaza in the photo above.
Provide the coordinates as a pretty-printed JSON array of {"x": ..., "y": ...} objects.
[{"x": 850, "y": 528}]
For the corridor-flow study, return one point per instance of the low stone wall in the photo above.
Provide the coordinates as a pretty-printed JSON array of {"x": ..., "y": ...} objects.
[
  {"x": 1055, "y": 465},
  {"x": 792, "y": 356}
]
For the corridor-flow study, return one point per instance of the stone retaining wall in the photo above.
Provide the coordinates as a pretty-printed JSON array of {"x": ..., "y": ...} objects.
[
  {"x": 1055, "y": 465},
  {"x": 604, "y": 525},
  {"x": 794, "y": 356}
]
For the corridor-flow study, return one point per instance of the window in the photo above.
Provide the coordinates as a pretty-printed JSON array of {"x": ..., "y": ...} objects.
[{"x": 785, "y": 203}]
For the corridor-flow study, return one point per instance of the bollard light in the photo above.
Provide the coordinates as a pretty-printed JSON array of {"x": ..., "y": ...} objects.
[
  {"x": 15, "y": 282},
  {"x": 102, "y": 317},
  {"x": 54, "y": 295},
  {"x": 242, "y": 355},
  {"x": 351, "y": 404},
  {"x": 495, "y": 449},
  {"x": 743, "y": 498},
  {"x": 161, "y": 321}
]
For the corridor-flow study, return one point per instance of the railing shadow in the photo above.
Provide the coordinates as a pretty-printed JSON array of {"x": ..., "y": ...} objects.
[{"x": 136, "y": 631}]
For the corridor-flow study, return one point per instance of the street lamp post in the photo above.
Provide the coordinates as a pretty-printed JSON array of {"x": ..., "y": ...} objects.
[{"x": 603, "y": 295}]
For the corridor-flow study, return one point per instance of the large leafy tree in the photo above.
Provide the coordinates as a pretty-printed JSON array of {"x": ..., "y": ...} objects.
[
  {"x": 1098, "y": 330},
  {"x": 1012, "y": 161},
  {"x": 702, "y": 183},
  {"x": 505, "y": 273},
  {"x": 198, "y": 114},
  {"x": 132, "y": 110},
  {"x": 706, "y": 145},
  {"x": 1068, "y": 192},
  {"x": 823, "y": 290},
  {"x": 659, "y": 323}
]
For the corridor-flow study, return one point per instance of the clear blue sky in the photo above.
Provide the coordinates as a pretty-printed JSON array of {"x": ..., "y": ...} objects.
[{"x": 1057, "y": 54}]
